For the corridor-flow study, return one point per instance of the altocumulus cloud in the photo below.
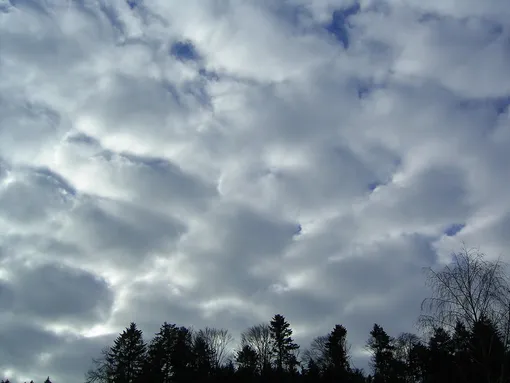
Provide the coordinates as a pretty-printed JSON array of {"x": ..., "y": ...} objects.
[{"x": 214, "y": 163}]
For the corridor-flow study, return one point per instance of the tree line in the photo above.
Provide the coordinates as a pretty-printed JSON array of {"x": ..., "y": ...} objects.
[
  {"x": 464, "y": 337},
  {"x": 8, "y": 381}
]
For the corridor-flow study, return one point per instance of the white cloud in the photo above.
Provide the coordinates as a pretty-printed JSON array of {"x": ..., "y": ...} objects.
[{"x": 221, "y": 188}]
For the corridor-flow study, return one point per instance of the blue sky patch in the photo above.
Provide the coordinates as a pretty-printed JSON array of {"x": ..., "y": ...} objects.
[
  {"x": 339, "y": 27},
  {"x": 453, "y": 229},
  {"x": 501, "y": 104},
  {"x": 185, "y": 51},
  {"x": 373, "y": 185},
  {"x": 132, "y": 3}
]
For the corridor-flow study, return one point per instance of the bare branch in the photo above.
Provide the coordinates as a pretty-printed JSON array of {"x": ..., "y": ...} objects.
[
  {"x": 259, "y": 338},
  {"x": 218, "y": 341},
  {"x": 466, "y": 290}
]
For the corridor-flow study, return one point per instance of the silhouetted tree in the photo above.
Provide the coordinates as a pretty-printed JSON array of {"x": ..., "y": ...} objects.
[
  {"x": 383, "y": 359},
  {"x": 124, "y": 361},
  {"x": 312, "y": 372},
  {"x": 247, "y": 362},
  {"x": 183, "y": 355},
  {"x": 102, "y": 371},
  {"x": 418, "y": 362},
  {"x": 283, "y": 346},
  {"x": 467, "y": 341},
  {"x": 226, "y": 373},
  {"x": 316, "y": 356},
  {"x": 202, "y": 357},
  {"x": 441, "y": 352},
  {"x": 488, "y": 352},
  {"x": 158, "y": 366},
  {"x": 405, "y": 356},
  {"x": 259, "y": 339},
  {"x": 338, "y": 367},
  {"x": 466, "y": 290},
  {"x": 217, "y": 341},
  {"x": 461, "y": 343}
]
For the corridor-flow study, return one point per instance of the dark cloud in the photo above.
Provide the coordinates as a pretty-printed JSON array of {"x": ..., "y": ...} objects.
[
  {"x": 23, "y": 342},
  {"x": 57, "y": 293},
  {"x": 120, "y": 232}
]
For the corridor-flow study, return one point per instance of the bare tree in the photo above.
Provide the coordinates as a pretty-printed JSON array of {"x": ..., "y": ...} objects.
[
  {"x": 469, "y": 290},
  {"x": 404, "y": 344},
  {"x": 318, "y": 352},
  {"x": 218, "y": 341},
  {"x": 100, "y": 373},
  {"x": 259, "y": 338},
  {"x": 466, "y": 290}
]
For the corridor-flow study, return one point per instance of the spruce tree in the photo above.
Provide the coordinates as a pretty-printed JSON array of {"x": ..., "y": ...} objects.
[
  {"x": 126, "y": 358},
  {"x": 441, "y": 356},
  {"x": 336, "y": 347},
  {"x": 202, "y": 357},
  {"x": 283, "y": 345},
  {"x": 182, "y": 355},
  {"x": 383, "y": 360},
  {"x": 488, "y": 352},
  {"x": 159, "y": 354},
  {"x": 247, "y": 361}
]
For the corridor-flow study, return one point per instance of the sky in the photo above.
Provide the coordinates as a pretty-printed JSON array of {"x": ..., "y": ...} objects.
[{"x": 215, "y": 162}]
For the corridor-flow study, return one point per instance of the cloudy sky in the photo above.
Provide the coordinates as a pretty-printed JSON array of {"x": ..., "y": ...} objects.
[{"x": 214, "y": 162}]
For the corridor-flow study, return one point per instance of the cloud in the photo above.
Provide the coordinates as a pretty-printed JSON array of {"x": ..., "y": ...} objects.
[
  {"x": 58, "y": 293},
  {"x": 214, "y": 164},
  {"x": 20, "y": 354}
]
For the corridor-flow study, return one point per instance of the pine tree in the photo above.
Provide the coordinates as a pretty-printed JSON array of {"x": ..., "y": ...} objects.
[
  {"x": 283, "y": 346},
  {"x": 247, "y": 361},
  {"x": 182, "y": 355},
  {"x": 202, "y": 357},
  {"x": 441, "y": 354},
  {"x": 461, "y": 344},
  {"x": 158, "y": 365},
  {"x": 123, "y": 362},
  {"x": 336, "y": 348},
  {"x": 312, "y": 373},
  {"x": 488, "y": 351},
  {"x": 418, "y": 362},
  {"x": 383, "y": 359}
]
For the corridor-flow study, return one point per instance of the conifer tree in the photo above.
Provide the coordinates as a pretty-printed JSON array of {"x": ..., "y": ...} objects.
[
  {"x": 202, "y": 357},
  {"x": 159, "y": 354},
  {"x": 338, "y": 358},
  {"x": 247, "y": 361},
  {"x": 182, "y": 355},
  {"x": 488, "y": 352},
  {"x": 382, "y": 350},
  {"x": 441, "y": 356},
  {"x": 283, "y": 345},
  {"x": 124, "y": 361}
]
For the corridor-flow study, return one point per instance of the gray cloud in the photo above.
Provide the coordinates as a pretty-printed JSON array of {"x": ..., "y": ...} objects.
[
  {"x": 57, "y": 293},
  {"x": 26, "y": 342}
]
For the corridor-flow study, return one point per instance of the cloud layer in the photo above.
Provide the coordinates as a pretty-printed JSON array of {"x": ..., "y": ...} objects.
[{"x": 214, "y": 163}]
